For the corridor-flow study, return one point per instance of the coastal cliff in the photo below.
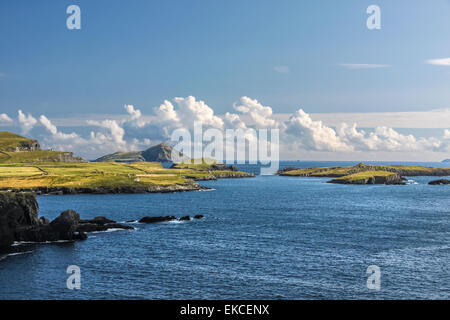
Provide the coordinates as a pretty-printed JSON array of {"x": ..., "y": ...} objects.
[{"x": 17, "y": 210}]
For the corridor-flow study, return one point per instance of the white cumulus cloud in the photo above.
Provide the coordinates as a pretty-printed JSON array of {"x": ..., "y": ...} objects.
[
  {"x": 261, "y": 115},
  {"x": 26, "y": 122},
  {"x": 5, "y": 118},
  {"x": 313, "y": 135}
]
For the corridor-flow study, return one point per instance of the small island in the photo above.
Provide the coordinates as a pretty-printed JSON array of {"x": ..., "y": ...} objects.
[{"x": 366, "y": 174}]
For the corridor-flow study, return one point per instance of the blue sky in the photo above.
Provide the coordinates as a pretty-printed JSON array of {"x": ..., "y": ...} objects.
[
  {"x": 142, "y": 52},
  {"x": 287, "y": 54}
]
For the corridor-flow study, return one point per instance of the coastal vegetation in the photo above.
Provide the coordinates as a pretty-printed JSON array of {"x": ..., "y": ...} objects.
[
  {"x": 367, "y": 174},
  {"x": 104, "y": 175},
  {"x": 25, "y": 167},
  {"x": 17, "y": 149}
]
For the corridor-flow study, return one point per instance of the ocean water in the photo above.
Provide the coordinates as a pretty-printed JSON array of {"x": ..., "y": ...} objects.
[{"x": 267, "y": 237}]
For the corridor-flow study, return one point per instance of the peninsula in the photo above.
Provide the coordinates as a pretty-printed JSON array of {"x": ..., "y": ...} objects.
[{"x": 25, "y": 167}]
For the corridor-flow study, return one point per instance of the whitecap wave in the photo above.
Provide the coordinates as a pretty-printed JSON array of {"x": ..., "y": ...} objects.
[
  {"x": 3, "y": 257},
  {"x": 111, "y": 230},
  {"x": 19, "y": 243}
]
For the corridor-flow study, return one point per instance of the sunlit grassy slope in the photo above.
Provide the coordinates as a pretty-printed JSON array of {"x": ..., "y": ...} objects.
[
  {"x": 9, "y": 141},
  {"x": 365, "y": 175},
  {"x": 100, "y": 174},
  {"x": 345, "y": 171}
]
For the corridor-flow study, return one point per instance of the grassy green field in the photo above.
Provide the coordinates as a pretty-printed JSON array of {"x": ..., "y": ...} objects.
[
  {"x": 31, "y": 157},
  {"x": 55, "y": 169},
  {"x": 319, "y": 172},
  {"x": 100, "y": 174},
  {"x": 365, "y": 175}
]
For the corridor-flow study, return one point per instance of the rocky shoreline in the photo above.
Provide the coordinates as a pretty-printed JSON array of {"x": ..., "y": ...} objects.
[
  {"x": 110, "y": 190},
  {"x": 394, "y": 179},
  {"x": 19, "y": 222}
]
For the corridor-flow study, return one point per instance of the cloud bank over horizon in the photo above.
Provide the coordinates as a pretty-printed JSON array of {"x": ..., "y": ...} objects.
[{"x": 299, "y": 134}]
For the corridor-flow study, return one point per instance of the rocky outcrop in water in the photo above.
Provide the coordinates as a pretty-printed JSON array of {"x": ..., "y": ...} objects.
[
  {"x": 439, "y": 182},
  {"x": 100, "y": 224},
  {"x": 64, "y": 227},
  {"x": 167, "y": 219},
  {"x": 19, "y": 222}
]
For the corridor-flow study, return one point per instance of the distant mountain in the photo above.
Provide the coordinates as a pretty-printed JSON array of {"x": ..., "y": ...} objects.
[
  {"x": 17, "y": 149},
  {"x": 122, "y": 157},
  {"x": 446, "y": 160},
  {"x": 159, "y": 153}
]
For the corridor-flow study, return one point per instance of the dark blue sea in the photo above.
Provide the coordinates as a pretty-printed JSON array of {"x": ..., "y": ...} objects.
[{"x": 267, "y": 237}]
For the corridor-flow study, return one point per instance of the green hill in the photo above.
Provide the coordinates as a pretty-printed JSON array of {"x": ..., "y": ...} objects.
[
  {"x": 159, "y": 153},
  {"x": 17, "y": 149},
  {"x": 10, "y": 142}
]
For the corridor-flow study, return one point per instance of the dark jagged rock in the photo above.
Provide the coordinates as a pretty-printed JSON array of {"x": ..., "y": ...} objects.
[
  {"x": 157, "y": 219},
  {"x": 439, "y": 182},
  {"x": 66, "y": 224},
  {"x": 64, "y": 227},
  {"x": 198, "y": 216},
  {"x": 100, "y": 224},
  {"x": 185, "y": 218},
  {"x": 19, "y": 222},
  {"x": 16, "y": 210}
]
